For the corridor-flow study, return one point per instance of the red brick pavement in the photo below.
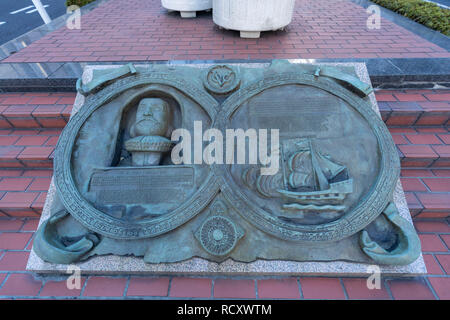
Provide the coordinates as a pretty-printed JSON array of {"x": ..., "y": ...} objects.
[
  {"x": 141, "y": 30},
  {"x": 16, "y": 283},
  {"x": 23, "y": 191}
]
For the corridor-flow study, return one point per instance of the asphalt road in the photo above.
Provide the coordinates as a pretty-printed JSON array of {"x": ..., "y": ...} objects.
[
  {"x": 444, "y": 2},
  {"x": 16, "y": 24}
]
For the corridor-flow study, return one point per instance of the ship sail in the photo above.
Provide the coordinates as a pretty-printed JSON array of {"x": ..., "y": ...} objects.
[
  {"x": 310, "y": 169},
  {"x": 309, "y": 181},
  {"x": 329, "y": 168},
  {"x": 301, "y": 170},
  {"x": 299, "y": 179},
  {"x": 322, "y": 181}
]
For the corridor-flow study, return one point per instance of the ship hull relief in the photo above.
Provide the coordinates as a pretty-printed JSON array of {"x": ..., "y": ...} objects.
[{"x": 308, "y": 182}]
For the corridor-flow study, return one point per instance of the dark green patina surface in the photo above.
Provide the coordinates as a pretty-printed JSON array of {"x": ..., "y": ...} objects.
[{"x": 120, "y": 192}]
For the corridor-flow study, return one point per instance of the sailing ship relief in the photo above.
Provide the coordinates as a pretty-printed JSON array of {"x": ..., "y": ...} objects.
[{"x": 308, "y": 181}]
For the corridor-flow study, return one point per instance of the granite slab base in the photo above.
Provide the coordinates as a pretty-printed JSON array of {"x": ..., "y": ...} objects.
[{"x": 127, "y": 265}]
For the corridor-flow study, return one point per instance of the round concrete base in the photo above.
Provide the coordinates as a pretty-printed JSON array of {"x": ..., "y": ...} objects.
[
  {"x": 188, "y": 14},
  {"x": 250, "y": 34}
]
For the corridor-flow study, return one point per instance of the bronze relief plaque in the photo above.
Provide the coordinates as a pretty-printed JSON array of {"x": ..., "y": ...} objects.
[{"x": 282, "y": 162}]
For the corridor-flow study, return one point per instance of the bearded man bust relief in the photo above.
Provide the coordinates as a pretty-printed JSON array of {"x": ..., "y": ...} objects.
[{"x": 148, "y": 143}]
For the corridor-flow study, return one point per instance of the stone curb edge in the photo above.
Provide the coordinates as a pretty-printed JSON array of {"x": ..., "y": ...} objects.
[{"x": 384, "y": 73}]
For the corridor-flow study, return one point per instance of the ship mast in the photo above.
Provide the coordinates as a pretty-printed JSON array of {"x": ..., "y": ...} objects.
[{"x": 321, "y": 180}]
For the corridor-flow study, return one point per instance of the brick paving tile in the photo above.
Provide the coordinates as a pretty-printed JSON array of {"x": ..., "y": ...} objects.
[
  {"x": 321, "y": 288},
  {"x": 234, "y": 288},
  {"x": 61, "y": 289},
  {"x": 438, "y": 185},
  {"x": 14, "y": 261},
  {"x": 444, "y": 261},
  {"x": 432, "y": 243},
  {"x": 14, "y": 240},
  {"x": 441, "y": 286},
  {"x": 432, "y": 226},
  {"x": 18, "y": 199},
  {"x": 15, "y": 184},
  {"x": 11, "y": 224},
  {"x": 20, "y": 285},
  {"x": 148, "y": 287},
  {"x": 190, "y": 287},
  {"x": 358, "y": 289},
  {"x": 434, "y": 201},
  {"x": 40, "y": 184},
  {"x": 278, "y": 289},
  {"x": 433, "y": 266},
  {"x": 105, "y": 286},
  {"x": 415, "y": 289},
  {"x": 446, "y": 239},
  {"x": 30, "y": 225}
]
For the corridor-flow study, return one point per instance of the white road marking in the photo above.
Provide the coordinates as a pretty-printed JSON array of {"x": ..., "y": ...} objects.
[
  {"x": 2, "y": 22},
  {"x": 34, "y": 10},
  {"x": 20, "y": 10}
]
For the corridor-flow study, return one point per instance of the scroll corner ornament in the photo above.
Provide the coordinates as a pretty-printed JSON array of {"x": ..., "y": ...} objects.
[
  {"x": 406, "y": 251},
  {"x": 52, "y": 247}
]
